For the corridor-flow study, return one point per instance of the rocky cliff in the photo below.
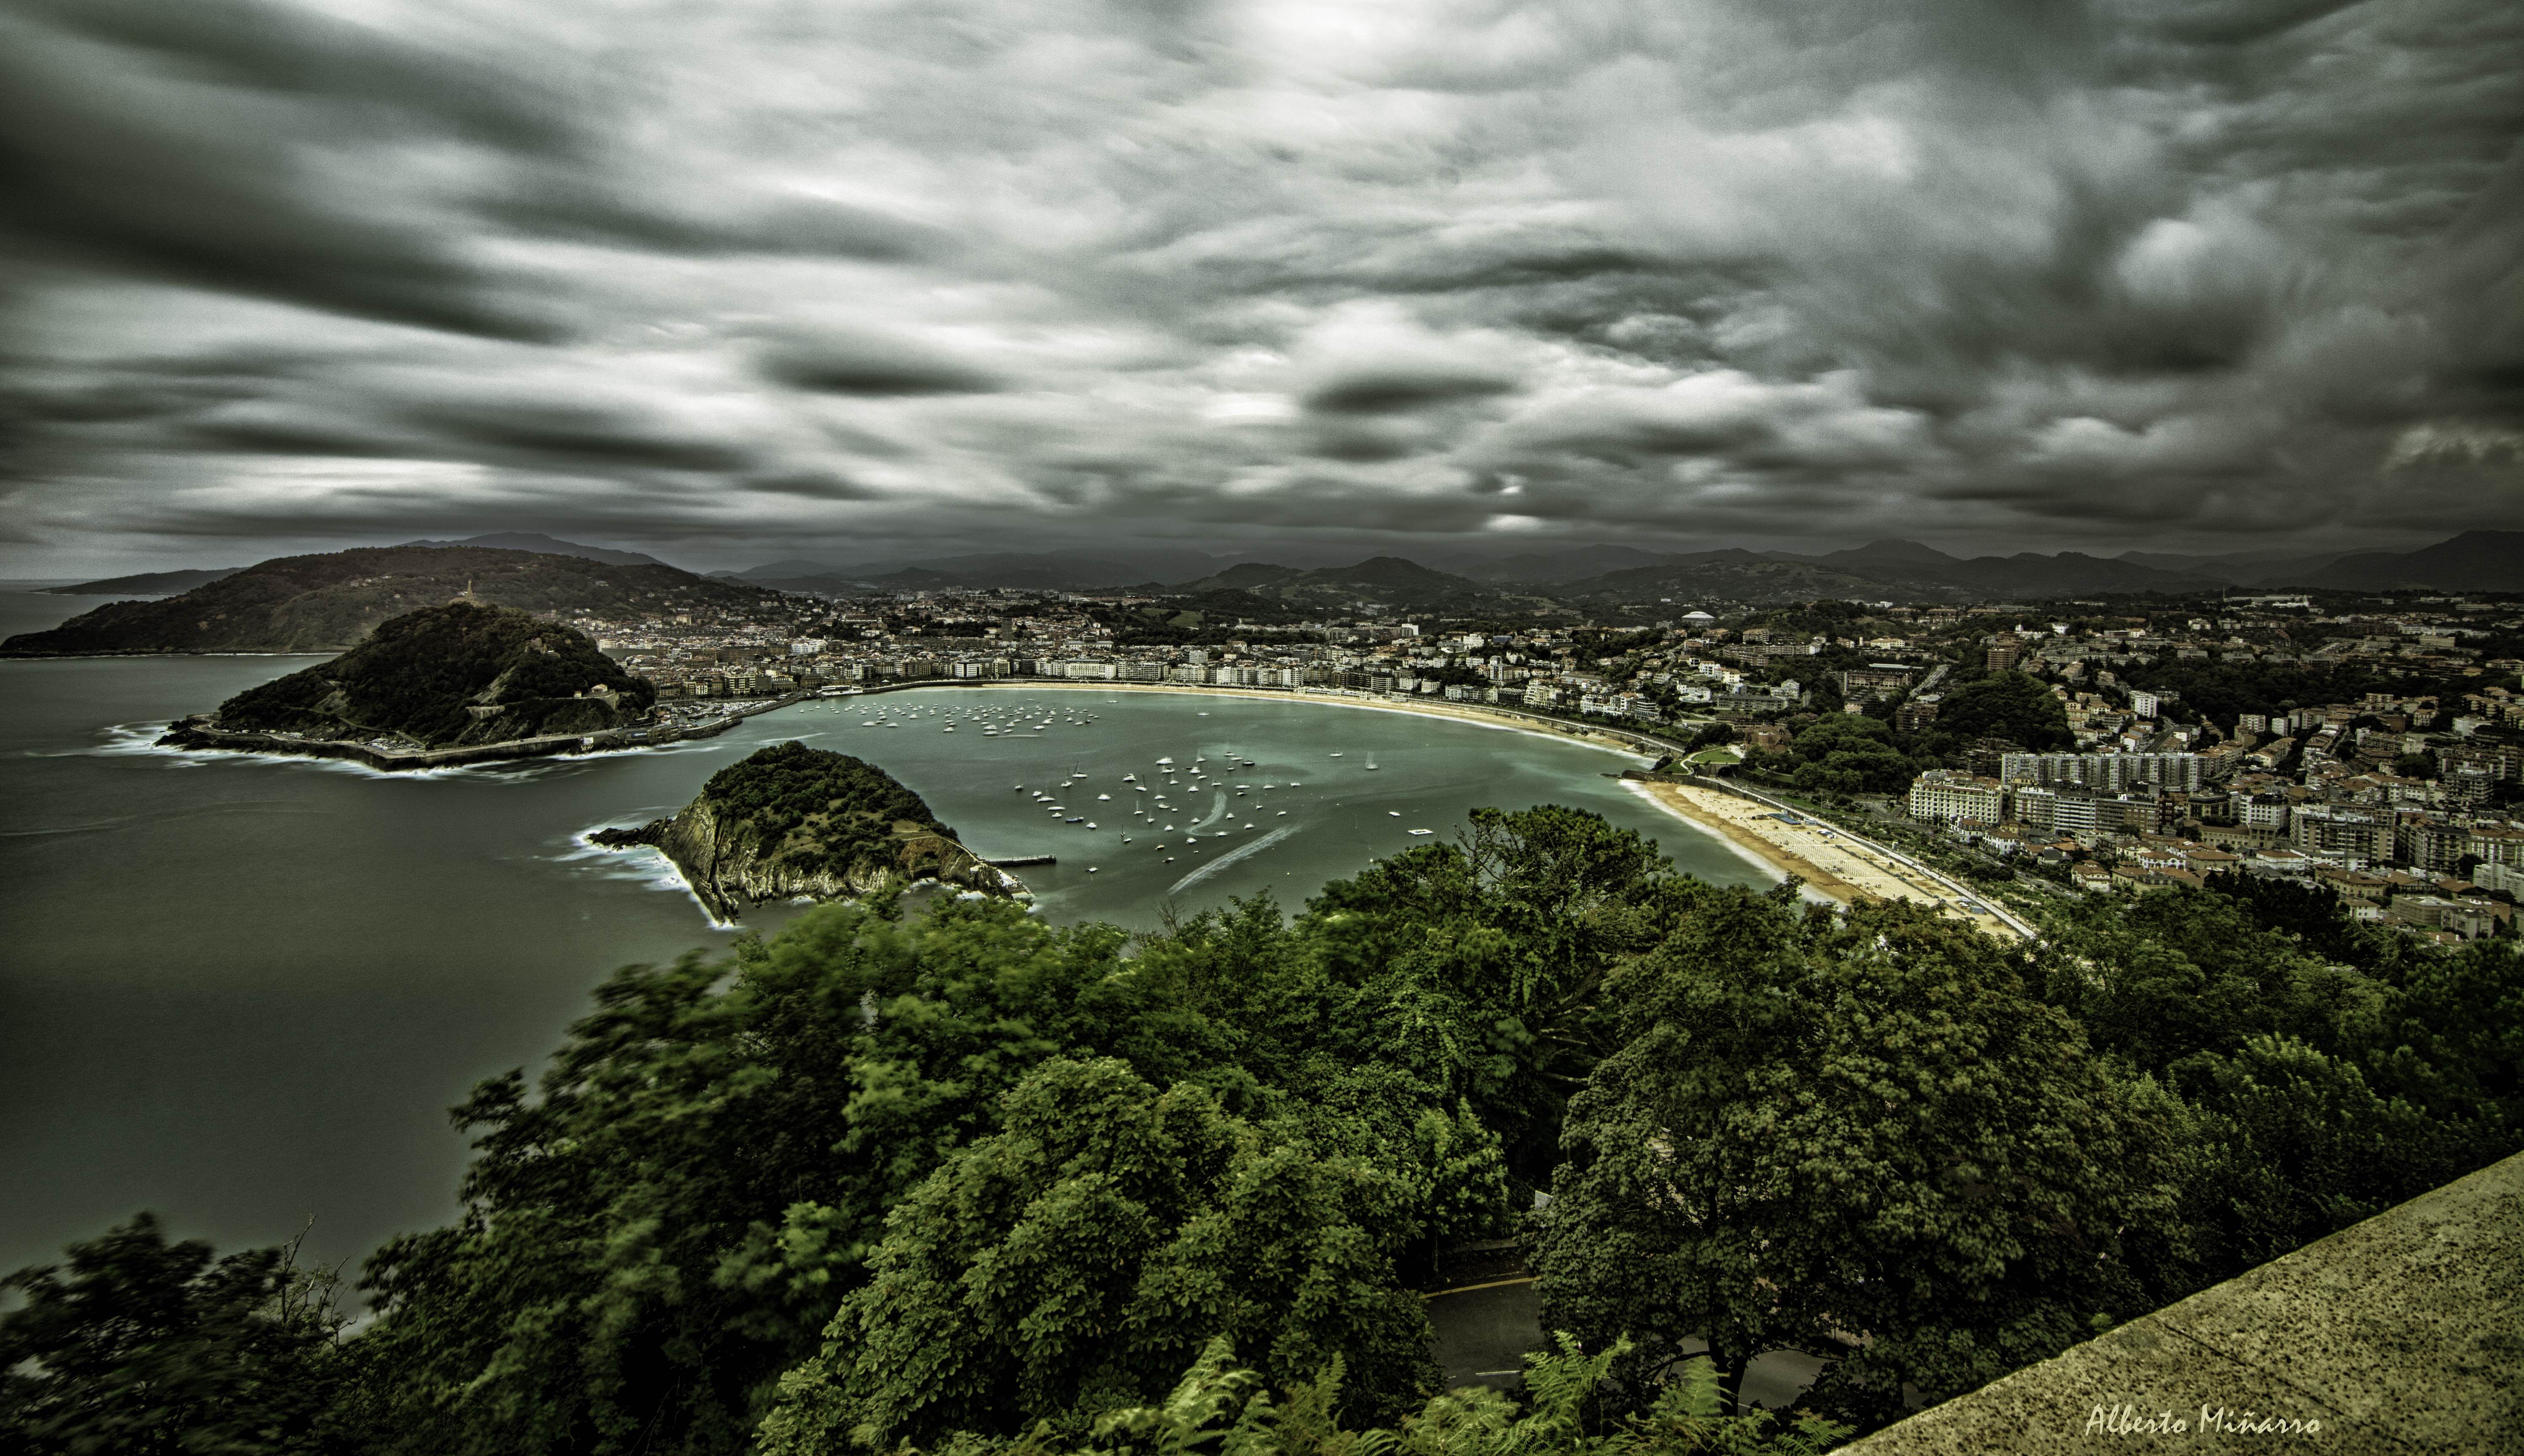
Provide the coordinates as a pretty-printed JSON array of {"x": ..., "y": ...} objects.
[{"x": 791, "y": 822}]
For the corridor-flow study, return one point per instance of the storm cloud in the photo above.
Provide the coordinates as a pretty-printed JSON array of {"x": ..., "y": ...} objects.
[{"x": 754, "y": 280}]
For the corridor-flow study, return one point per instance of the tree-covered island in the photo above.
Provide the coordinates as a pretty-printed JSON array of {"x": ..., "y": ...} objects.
[
  {"x": 462, "y": 675},
  {"x": 789, "y": 820}
]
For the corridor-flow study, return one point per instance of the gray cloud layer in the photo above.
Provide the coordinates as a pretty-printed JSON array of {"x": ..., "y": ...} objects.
[{"x": 2198, "y": 273}]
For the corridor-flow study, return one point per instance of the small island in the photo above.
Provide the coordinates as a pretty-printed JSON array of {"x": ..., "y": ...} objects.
[
  {"x": 790, "y": 821},
  {"x": 459, "y": 682}
]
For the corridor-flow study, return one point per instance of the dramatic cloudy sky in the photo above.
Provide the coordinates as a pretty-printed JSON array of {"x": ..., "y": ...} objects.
[{"x": 775, "y": 277}]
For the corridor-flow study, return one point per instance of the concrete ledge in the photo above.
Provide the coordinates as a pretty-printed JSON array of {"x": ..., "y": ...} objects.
[{"x": 2402, "y": 1335}]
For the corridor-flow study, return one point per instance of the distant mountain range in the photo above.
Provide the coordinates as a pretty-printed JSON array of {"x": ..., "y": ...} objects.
[
  {"x": 253, "y": 609},
  {"x": 1385, "y": 581},
  {"x": 2473, "y": 561},
  {"x": 1544, "y": 567},
  {"x": 1909, "y": 572},
  {"x": 170, "y": 583},
  {"x": 1045, "y": 572},
  {"x": 1605, "y": 573},
  {"x": 543, "y": 545}
]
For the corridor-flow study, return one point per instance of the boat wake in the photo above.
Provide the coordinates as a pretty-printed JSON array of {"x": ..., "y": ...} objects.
[{"x": 1230, "y": 857}]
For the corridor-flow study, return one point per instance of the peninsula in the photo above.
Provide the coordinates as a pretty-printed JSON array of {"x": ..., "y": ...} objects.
[
  {"x": 464, "y": 675},
  {"x": 331, "y": 602},
  {"x": 790, "y": 820}
]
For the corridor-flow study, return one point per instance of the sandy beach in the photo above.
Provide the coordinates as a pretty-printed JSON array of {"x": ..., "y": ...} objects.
[
  {"x": 1436, "y": 707},
  {"x": 1831, "y": 862},
  {"x": 1833, "y": 865}
]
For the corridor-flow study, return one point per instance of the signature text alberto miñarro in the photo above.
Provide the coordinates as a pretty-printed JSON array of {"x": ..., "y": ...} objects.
[{"x": 2129, "y": 1420}]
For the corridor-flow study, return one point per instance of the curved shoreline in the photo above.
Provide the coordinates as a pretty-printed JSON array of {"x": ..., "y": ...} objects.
[
  {"x": 1873, "y": 871},
  {"x": 1589, "y": 735},
  {"x": 1770, "y": 858},
  {"x": 1844, "y": 866},
  {"x": 1819, "y": 884}
]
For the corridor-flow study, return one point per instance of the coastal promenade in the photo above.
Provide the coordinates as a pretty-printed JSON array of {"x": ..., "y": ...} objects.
[{"x": 1840, "y": 865}]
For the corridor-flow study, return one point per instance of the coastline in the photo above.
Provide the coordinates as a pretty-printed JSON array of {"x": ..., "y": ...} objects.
[
  {"x": 1746, "y": 843},
  {"x": 195, "y": 735},
  {"x": 1836, "y": 864},
  {"x": 1476, "y": 714},
  {"x": 584, "y": 841}
]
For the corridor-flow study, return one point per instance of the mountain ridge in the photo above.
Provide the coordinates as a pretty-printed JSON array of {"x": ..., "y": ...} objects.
[
  {"x": 331, "y": 602},
  {"x": 147, "y": 583},
  {"x": 2480, "y": 560},
  {"x": 538, "y": 544}
]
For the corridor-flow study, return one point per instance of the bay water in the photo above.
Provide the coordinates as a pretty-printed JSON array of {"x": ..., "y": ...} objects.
[{"x": 242, "y": 992}]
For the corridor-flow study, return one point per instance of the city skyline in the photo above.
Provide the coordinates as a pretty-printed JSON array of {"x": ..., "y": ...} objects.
[{"x": 1443, "y": 279}]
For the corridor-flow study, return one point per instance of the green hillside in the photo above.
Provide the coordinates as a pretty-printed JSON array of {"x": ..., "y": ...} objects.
[
  {"x": 446, "y": 677},
  {"x": 328, "y": 603}
]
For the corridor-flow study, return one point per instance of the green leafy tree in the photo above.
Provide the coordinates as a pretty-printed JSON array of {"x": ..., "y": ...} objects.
[
  {"x": 2316, "y": 919},
  {"x": 2174, "y": 973},
  {"x": 2012, "y": 706},
  {"x": 1218, "y": 1406},
  {"x": 2452, "y": 1038},
  {"x": 1848, "y": 753},
  {"x": 671, "y": 1220},
  {"x": 1384, "y": 1072},
  {"x": 1858, "y": 1137},
  {"x": 1449, "y": 1168},
  {"x": 1480, "y": 967},
  {"x": 1101, "y": 1239},
  {"x": 1713, "y": 733},
  {"x": 2292, "y": 1144},
  {"x": 141, "y": 1347}
]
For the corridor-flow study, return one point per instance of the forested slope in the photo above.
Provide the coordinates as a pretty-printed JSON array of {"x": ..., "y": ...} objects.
[
  {"x": 971, "y": 1182},
  {"x": 444, "y": 677},
  {"x": 329, "y": 603}
]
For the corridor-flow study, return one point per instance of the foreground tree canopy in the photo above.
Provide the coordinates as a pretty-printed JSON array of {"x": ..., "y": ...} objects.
[{"x": 963, "y": 1180}]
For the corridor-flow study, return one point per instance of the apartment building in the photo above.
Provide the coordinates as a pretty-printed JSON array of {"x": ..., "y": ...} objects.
[{"x": 1954, "y": 797}]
